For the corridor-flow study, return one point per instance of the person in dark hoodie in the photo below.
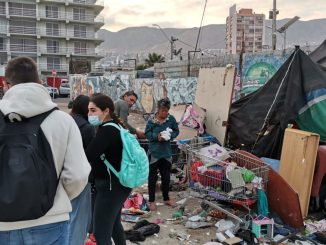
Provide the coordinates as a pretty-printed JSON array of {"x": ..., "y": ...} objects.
[
  {"x": 80, "y": 217},
  {"x": 160, "y": 130}
]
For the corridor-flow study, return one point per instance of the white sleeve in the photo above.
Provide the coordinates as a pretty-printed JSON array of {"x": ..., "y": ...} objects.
[{"x": 76, "y": 168}]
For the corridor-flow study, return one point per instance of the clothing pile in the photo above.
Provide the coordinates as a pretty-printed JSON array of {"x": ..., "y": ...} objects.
[{"x": 141, "y": 230}]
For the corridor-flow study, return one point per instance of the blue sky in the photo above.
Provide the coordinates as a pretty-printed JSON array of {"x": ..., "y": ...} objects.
[{"x": 120, "y": 14}]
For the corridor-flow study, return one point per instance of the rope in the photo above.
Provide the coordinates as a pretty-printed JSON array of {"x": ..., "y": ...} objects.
[{"x": 269, "y": 111}]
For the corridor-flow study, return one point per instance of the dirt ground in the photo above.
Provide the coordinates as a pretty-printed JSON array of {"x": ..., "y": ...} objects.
[{"x": 168, "y": 228}]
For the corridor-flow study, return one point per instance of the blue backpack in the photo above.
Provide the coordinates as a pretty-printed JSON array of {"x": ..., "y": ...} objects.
[{"x": 134, "y": 164}]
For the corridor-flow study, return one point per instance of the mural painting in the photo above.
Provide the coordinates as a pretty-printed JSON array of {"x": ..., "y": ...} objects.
[
  {"x": 258, "y": 69},
  {"x": 181, "y": 90},
  {"x": 149, "y": 90}
]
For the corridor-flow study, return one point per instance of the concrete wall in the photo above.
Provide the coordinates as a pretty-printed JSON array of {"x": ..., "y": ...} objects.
[
  {"x": 149, "y": 90},
  {"x": 178, "y": 69}
]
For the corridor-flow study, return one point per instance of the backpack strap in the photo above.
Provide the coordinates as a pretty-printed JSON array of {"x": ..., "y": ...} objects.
[
  {"x": 113, "y": 125},
  {"x": 38, "y": 119},
  {"x": 106, "y": 162}
]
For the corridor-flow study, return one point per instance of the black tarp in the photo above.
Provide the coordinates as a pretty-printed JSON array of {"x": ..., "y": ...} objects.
[
  {"x": 319, "y": 54},
  {"x": 279, "y": 101}
]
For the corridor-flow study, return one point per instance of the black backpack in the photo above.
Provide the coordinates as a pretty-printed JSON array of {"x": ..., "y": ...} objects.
[{"x": 28, "y": 178}]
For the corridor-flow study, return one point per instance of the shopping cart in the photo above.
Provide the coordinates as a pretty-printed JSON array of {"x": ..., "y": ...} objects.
[{"x": 233, "y": 178}]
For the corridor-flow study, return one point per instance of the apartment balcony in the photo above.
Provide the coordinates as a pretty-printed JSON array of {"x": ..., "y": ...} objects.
[
  {"x": 22, "y": 12},
  {"x": 51, "y": 1},
  {"x": 22, "y": 30},
  {"x": 3, "y": 29},
  {"x": 52, "y": 15},
  {"x": 17, "y": 48},
  {"x": 98, "y": 5},
  {"x": 2, "y": 11},
  {"x": 48, "y": 67},
  {"x": 90, "y": 18},
  {"x": 84, "y": 52},
  {"x": 52, "y": 32},
  {"x": 84, "y": 35},
  {"x": 52, "y": 50}
]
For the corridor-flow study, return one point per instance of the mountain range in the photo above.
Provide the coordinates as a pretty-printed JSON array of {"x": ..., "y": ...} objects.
[{"x": 152, "y": 39}]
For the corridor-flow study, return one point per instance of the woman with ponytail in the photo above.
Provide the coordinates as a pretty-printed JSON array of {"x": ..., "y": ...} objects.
[{"x": 110, "y": 194}]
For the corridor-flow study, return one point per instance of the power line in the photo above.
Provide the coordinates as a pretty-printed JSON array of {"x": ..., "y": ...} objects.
[{"x": 201, "y": 23}]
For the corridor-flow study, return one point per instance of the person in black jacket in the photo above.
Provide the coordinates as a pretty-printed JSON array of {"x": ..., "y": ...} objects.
[
  {"x": 80, "y": 217},
  {"x": 110, "y": 194}
]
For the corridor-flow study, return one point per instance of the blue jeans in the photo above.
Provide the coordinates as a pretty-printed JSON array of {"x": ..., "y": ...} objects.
[
  {"x": 51, "y": 234},
  {"x": 80, "y": 217}
]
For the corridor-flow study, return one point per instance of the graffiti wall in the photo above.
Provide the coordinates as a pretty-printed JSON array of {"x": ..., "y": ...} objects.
[
  {"x": 149, "y": 90},
  {"x": 258, "y": 69}
]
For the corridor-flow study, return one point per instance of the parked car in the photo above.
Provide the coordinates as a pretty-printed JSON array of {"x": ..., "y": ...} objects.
[
  {"x": 64, "y": 90},
  {"x": 53, "y": 92}
]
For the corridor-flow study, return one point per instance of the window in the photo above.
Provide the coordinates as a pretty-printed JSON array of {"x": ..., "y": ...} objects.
[
  {"x": 80, "y": 47},
  {"x": 51, "y": 11},
  {"x": 22, "y": 27},
  {"x": 22, "y": 9},
  {"x": 53, "y": 63},
  {"x": 52, "y": 46},
  {"x": 23, "y": 45},
  {"x": 2, "y": 8},
  {"x": 79, "y": 14},
  {"x": 52, "y": 29},
  {"x": 2, "y": 44},
  {"x": 79, "y": 30}
]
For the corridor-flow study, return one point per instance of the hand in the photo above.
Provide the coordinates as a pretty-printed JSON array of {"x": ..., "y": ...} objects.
[
  {"x": 160, "y": 138},
  {"x": 140, "y": 134}
]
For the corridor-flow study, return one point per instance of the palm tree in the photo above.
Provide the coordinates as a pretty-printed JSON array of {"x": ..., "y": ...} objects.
[
  {"x": 141, "y": 67},
  {"x": 154, "y": 58}
]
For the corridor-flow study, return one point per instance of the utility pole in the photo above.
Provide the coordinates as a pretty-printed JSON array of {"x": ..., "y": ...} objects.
[
  {"x": 274, "y": 26},
  {"x": 173, "y": 39}
]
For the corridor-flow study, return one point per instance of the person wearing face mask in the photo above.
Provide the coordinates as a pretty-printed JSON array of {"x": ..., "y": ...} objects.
[
  {"x": 110, "y": 194},
  {"x": 80, "y": 217},
  {"x": 161, "y": 128},
  {"x": 122, "y": 107}
]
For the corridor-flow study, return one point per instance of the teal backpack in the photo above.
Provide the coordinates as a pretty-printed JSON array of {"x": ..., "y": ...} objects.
[{"x": 134, "y": 164}]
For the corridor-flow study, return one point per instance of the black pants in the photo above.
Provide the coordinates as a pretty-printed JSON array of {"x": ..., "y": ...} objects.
[
  {"x": 107, "y": 211},
  {"x": 164, "y": 167}
]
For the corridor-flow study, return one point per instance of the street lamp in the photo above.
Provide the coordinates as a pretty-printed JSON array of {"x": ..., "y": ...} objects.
[
  {"x": 172, "y": 40},
  {"x": 283, "y": 29}
]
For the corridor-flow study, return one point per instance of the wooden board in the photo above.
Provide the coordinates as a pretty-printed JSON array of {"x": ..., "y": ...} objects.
[
  {"x": 297, "y": 163},
  {"x": 283, "y": 200},
  {"x": 214, "y": 93}
]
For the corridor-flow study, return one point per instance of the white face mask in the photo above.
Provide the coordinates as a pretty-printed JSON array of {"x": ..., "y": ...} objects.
[{"x": 94, "y": 120}]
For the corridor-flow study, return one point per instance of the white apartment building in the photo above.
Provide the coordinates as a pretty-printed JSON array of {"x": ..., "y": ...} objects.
[
  {"x": 52, "y": 32},
  {"x": 245, "y": 31}
]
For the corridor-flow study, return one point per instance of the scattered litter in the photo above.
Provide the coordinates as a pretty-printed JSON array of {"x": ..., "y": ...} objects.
[
  {"x": 182, "y": 201},
  {"x": 224, "y": 225},
  {"x": 196, "y": 225},
  {"x": 130, "y": 218},
  {"x": 196, "y": 218}
]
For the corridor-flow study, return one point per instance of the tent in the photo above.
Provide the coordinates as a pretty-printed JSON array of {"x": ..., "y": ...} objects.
[
  {"x": 296, "y": 94},
  {"x": 319, "y": 54}
]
